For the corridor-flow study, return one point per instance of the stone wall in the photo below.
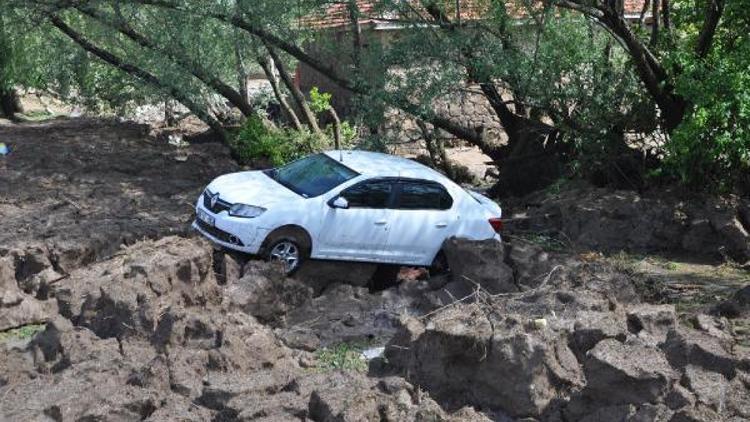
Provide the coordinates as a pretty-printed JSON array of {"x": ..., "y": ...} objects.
[{"x": 467, "y": 107}]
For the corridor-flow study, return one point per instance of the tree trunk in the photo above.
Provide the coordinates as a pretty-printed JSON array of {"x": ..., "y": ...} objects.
[
  {"x": 714, "y": 10},
  {"x": 356, "y": 33},
  {"x": 274, "y": 81},
  {"x": 298, "y": 96},
  {"x": 10, "y": 103},
  {"x": 654, "y": 23},
  {"x": 436, "y": 149},
  {"x": 329, "y": 71},
  {"x": 241, "y": 70},
  {"x": 336, "y": 128}
]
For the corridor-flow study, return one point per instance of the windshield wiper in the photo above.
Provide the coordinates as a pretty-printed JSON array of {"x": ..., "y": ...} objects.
[{"x": 271, "y": 173}]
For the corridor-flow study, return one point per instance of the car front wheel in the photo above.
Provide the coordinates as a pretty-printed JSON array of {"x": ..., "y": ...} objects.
[{"x": 288, "y": 249}]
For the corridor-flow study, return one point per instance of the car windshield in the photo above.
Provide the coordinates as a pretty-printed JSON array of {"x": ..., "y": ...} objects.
[{"x": 312, "y": 176}]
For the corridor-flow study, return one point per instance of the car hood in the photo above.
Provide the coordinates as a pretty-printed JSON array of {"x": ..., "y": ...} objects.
[{"x": 252, "y": 188}]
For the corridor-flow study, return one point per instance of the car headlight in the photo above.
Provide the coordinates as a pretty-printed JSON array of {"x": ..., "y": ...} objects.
[{"x": 246, "y": 211}]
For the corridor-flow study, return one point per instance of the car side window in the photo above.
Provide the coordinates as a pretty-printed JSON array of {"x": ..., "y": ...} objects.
[
  {"x": 423, "y": 196},
  {"x": 374, "y": 194}
]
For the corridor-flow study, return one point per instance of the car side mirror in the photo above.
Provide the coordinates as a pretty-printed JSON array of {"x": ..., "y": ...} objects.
[{"x": 339, "y": 202}]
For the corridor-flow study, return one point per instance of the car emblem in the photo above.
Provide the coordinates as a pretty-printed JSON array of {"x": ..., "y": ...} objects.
[{"x": 214, "y": 199}]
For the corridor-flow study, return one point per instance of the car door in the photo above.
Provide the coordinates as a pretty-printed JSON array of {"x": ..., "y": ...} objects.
[
  {"x": 358, "y": 232},
  {"x": 421, "y": 219}
]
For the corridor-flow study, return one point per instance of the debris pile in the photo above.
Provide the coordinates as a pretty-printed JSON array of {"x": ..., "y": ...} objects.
[{"x": 580, "y": 347}]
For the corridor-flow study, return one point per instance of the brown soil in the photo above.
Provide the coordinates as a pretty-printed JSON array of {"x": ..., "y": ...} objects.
[{"x": 139, "y": 319}]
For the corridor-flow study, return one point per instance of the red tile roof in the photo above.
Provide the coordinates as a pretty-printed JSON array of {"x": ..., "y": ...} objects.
[{"x": 335, "y": 14}]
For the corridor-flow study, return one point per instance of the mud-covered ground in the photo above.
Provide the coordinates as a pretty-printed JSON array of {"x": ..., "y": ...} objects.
[{"x": 112, "y": 310}]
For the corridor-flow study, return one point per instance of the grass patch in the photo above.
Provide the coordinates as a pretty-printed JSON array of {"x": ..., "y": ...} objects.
[
  {"x": 21, "y": 333},
  {"x": 545, "y": 241},
  {"x": 343, "y": 356}
]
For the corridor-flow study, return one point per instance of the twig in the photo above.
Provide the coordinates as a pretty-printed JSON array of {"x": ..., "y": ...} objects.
[
  {"x": 61, "y": 278},
  {"x": 449, "y": 305}
]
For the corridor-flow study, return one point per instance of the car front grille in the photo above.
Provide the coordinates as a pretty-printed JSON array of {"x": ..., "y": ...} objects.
[
  {"x": 218, "y": 233},
  {"x": 221, "y": 205}
]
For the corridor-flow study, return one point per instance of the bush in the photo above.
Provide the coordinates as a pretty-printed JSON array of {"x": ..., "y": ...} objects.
[{"x": 259, "y": 144}]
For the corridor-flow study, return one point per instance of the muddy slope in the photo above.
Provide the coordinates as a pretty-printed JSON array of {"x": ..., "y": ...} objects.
[
  {"x": 140, "y": 320},
  {"x": 73, "y": 191}
]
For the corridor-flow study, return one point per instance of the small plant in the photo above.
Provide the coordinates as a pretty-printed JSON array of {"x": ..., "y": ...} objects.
[
  {"x": 343, "y": 356},
  {"x": 21, "y": 333},
  {"x": 319, "y": 101},
  {"x": 546, "y": 242},
  {"x": 257, "y": 142},
  {"x": 556, "y": 186}
]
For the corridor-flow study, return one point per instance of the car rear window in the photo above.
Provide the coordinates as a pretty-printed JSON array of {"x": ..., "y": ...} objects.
[
  {"x": 423, "y": 196},
  {"x": 369, "y": 194}
]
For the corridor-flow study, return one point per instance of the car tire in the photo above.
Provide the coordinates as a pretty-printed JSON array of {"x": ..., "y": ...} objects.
[
  {"x": 288, "y": 246},
  {"x": 439, "y": 264}
]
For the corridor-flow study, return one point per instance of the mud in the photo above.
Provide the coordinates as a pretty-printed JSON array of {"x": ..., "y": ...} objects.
[
  {"x": 709, "y": 228},
  {"x": 143, "y": 320}
]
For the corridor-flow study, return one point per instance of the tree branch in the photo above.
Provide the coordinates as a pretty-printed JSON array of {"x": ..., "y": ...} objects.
[
  {"x": 182, "y": 60},
  {"x": 714, "y": 10},
  {"x": 137, "y": 72}
]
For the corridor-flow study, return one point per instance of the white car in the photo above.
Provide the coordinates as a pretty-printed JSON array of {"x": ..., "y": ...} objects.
[{"x": 344, "y": 205}]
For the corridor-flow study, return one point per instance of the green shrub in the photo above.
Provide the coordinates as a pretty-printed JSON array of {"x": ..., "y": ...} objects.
[
  {"x": 343, "y": 356},
  {"x": 259, "y": 144}
]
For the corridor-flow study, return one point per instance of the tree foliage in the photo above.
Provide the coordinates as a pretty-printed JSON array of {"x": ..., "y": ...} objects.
[{"x": 571, "y": 81}]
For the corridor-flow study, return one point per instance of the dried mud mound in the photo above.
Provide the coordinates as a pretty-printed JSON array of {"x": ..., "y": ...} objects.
[
  {"x": 168, "y": 328},
  {"x": 151, "y": 335},
  {"x": 580, "y": 346},
  {"x": 73, "y": 191},
  {"x": 606, "y": 220}
]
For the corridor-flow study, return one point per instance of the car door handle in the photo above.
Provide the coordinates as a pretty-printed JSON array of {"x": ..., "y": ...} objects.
[
  {"x": 441, "y": 225},
  {"x": 380, "y": 222}
]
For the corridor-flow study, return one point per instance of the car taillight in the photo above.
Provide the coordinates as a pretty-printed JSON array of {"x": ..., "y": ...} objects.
[{"x": 497, "y": 224}]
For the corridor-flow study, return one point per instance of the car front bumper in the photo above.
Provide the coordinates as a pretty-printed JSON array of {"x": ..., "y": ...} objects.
[{"x": 241, "y": 234}]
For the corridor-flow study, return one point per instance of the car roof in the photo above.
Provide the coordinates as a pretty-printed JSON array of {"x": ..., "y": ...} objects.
[{"x": 376, "y": 164}]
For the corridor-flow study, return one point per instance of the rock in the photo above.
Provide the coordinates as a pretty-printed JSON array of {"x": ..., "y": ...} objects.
[
  {"x": 685, "y": 346},
  {"x": 458, "y": 359},
  {"x": 738, "y": 394},
  {"x": 736, "y": 237},
  {"x": 27, "y": 311},
  {"x": 617, "y": 373},
  {"x": 696, "y": 414},
  {"x": 529, "y": 262},
  {"x": 398, "y": 351},
  {"x": 266, "y": 294},
  {"x": 229, "y": 266},
  {"x": 300, "y": 338},
  {"x": 342, "y": 403},
  {"x": 651, "y": 412},
  {"x": 679, "y": 397},
  {"x": 344, "y": 313},
  {"x": 141, "y": 292},
  {"x": 356, "y": 398},
  {"x": 713, "y": 326},
  {"x": 320, "y": 274},
  {"x": 479, "y": 263},
  {"x": 592, "y": 327},
  {"x": 651, "y": 322},
  {"x": 10, "y": 294},
  {"x": 700, "y": 237},
  {"x": 710, "y": 388},
  {"x": 736, "y": 306}
]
